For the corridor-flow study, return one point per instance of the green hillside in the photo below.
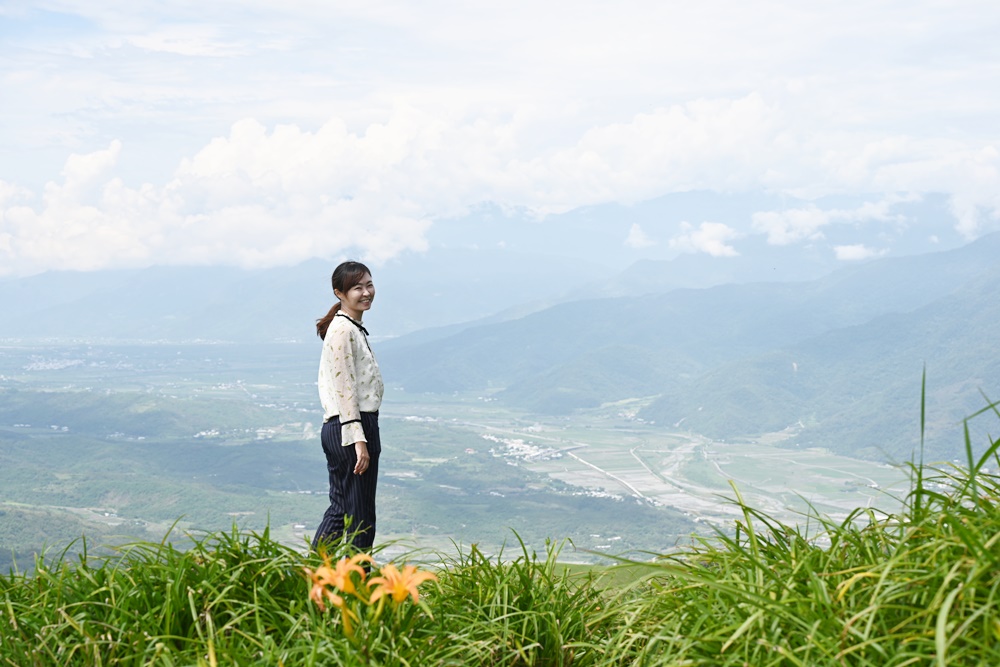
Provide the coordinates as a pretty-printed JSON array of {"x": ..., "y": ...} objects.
[{"x": 851, "y": 388}]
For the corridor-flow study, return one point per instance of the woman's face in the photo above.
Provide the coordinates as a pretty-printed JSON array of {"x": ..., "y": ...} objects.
[{"x": 358, "y": 298}]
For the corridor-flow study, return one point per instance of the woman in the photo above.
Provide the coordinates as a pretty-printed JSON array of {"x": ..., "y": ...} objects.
[{"x": 350, "y": 389}]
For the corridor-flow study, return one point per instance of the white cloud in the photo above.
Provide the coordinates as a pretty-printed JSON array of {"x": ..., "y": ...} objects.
[
  {"x": 856, "y": 252},
  {"x": 674, "y": 148},
  {"x": 971, "y": 174},
  {"x": 187, "y": 41},
  {"x": 253, "y": 199},
  {"x": 806, "y": 224},
  {"x": 366, "y": 121},
  {"x": 637, "y": 238},
  {"x": 10, "y": 193},
  {"x": 709, "y": 237},
  {"x": 261, "y": 196},
  {"x": 790, "y": 226}
]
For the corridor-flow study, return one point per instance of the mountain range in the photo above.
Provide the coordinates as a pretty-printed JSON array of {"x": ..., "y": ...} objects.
[
  {"x": 840, "y": 358},
  {"x": 837, "y": 358},
  {"x": 228, "y": 304}
]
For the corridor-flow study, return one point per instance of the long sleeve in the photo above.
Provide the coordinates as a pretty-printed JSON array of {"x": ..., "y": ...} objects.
[
  {"x": 349, "y": 379},
  {"x": 345, "y": 386}
]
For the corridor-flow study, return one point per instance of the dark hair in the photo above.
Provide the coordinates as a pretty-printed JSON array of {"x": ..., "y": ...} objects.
[{"x": 345, "y": 276}]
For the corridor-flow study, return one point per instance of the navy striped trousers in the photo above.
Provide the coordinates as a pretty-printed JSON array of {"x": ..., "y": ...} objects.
[{"x": 351, "y": 496}]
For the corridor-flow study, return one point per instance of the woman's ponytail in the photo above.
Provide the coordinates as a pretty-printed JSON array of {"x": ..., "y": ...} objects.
[{"x": 323, "y": 323}]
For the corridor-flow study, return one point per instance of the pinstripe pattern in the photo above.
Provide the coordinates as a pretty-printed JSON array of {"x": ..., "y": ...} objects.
[{"x": 350, "y": 495}]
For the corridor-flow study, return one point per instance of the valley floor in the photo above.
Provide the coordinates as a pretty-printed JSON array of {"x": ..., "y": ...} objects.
[
  {"x": 135, "y": 442},
  {"x": 609, "y": 452}
]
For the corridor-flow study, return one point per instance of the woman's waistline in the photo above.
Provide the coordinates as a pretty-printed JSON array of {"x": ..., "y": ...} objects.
[{"x": 363, "y": 414}]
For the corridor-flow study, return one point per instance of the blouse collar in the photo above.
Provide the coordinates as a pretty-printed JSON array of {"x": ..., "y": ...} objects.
[{"x": 354, "y": 322}]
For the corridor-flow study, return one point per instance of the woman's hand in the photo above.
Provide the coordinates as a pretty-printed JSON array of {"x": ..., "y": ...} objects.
[{"x": 361, "y": 449}]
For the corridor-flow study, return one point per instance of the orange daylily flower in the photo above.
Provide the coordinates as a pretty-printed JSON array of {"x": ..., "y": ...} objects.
[
  {"x": 321, "y": 578},
  {"x": 399, "y": 584},
  {"x": 337, "y": 576},
  {"x": 341, "y": 574}
]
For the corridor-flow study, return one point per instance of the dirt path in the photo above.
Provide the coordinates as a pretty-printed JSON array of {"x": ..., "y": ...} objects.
[{"x": 635, "y": 492}]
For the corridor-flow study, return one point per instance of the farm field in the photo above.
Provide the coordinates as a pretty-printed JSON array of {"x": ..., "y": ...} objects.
[{"x": 610, "y": 452}]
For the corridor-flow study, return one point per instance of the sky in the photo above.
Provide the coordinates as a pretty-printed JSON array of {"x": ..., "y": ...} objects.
[{"x": 261, "y": 133}]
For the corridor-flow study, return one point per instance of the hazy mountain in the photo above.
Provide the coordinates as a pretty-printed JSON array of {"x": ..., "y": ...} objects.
[
  {"x": 722, "y": 358},
  {"x": 705, "y": 326},
  {"x": 858, "y": 385},
  {"x": 489, "y": 266},
  {"x": 440, "y": 287},
  {"x": 601, "y": 234},
  {"x": 759, "y": 262}
]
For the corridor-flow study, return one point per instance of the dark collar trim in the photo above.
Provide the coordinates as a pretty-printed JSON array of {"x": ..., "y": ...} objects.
[{"x": 354, "y": 322}]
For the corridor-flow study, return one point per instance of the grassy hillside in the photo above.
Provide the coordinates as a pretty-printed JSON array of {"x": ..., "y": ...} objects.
[{"x": 917, "y": 587}]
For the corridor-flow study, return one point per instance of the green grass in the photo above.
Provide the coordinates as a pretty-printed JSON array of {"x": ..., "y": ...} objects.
[{"x": 917, "y": 587}]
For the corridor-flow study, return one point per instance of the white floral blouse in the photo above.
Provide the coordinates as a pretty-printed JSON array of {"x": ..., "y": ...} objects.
[{"x": 349, "y": 378}]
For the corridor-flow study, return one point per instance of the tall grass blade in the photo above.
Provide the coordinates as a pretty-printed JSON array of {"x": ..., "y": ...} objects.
[{"x": 941, "y": 628}]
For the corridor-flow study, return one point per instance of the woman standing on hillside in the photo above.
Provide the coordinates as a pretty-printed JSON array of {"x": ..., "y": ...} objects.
[{"x": 350, "y": 389}]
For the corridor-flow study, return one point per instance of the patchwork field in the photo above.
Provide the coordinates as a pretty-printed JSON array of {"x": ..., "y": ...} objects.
[{"x": 612, "y": 454}]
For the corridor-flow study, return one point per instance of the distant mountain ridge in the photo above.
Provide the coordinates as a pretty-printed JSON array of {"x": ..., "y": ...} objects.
[
  {"x": 235, "y": 305},
  {"x": 728, "y": 360},
  {"x": 490, "y": 265},
  {"x": 854, "y": 388},
  {"x": 705, "y": 351}
]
